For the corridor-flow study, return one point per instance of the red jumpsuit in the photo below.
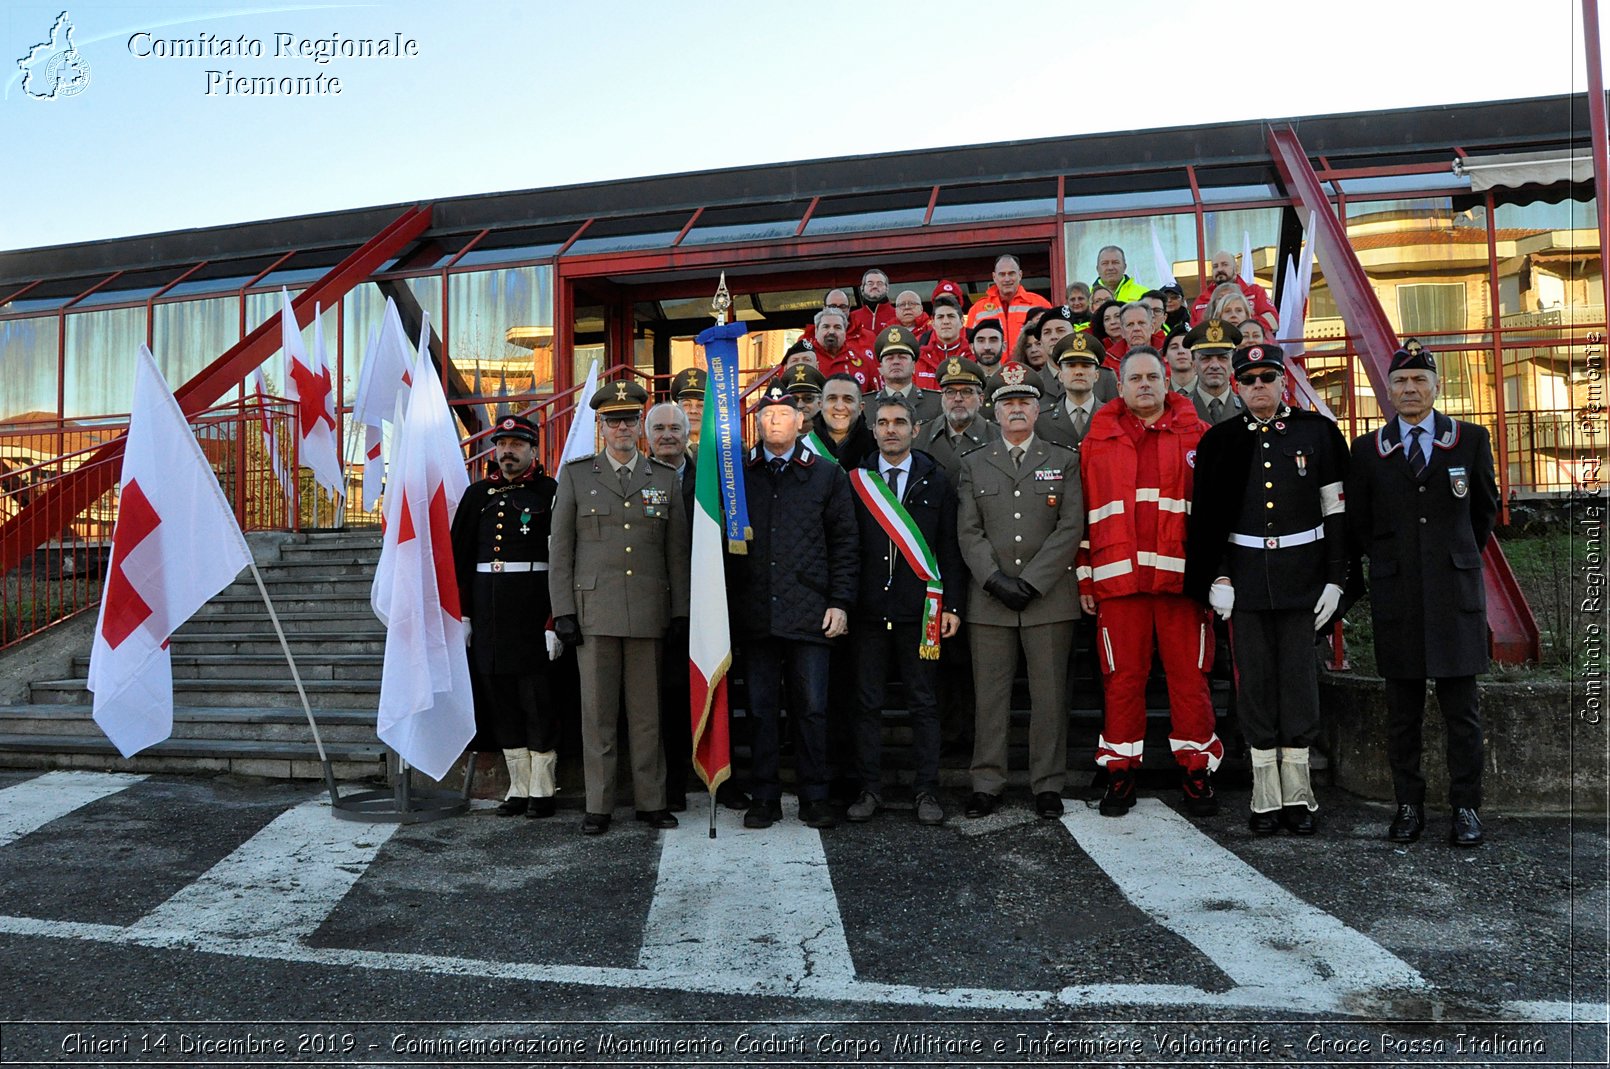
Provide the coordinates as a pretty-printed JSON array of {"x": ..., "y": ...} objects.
[{"x": 1138, "y": 485}]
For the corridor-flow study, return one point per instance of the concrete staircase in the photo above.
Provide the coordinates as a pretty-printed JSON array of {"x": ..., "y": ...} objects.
[{"x": 235, "y": 704}]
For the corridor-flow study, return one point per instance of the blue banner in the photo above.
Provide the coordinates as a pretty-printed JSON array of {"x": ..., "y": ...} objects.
[{"x": 722, "y": 390}]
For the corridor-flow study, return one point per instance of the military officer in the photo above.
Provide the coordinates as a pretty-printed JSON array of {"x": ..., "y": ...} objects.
[
  {"x": 1211, "y": 342},
  {"x": 500, "y": 555},
  {"x": 687, "y": 390},
  {"x": 896, "y": 350},
  {"x": 1078, "y": 359},
  {"x": 1422, "y": 502},
  {"x": 963, "y": 427},
  {"x": 620, "y": 573},
  {"x": 1267, "y": 541},
  {"x": 1020, "y": 516},
  {"x": 804, "y": 384}
]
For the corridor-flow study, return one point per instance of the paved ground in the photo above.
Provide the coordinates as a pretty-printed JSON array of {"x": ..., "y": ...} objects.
[{"x": 208, "y": 922}]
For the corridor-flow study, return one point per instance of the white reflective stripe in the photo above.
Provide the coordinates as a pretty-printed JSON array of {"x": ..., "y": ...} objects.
[
  {"x": 1107, "y": 571},
  {"x": 1332, "y": 499},
  {"x": 1110, "y": 509},
  {"x": 1083, "y": 571},
  {"x": 1122, "y": 749},
  {"x": 1160, "y": 562},
  {"x": 1212, "y": 747},
  {"x": 1166, "y": 504},
  {"x": 1201, "y": 644},
  {"x": 1106, "y": 642}
]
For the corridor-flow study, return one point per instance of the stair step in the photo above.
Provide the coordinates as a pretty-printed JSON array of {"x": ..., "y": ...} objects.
[
  {"x": 256, "y": 623},
  {"x": 353, "y": 603},
  {"x": 233, "y": 693},
  {"x": 334, "y": 548},
  {"x": 314, "y": 646},
  {"x": 328, "y": 666},
  {"x": 347, "y": 567},
  {"x": 277, "y": 760},
  {"x": 354, "y": 585},
  {"x": 202, "y": 722}
]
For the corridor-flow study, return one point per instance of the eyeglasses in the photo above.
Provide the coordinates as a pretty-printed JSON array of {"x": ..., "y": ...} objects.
[
  {"x": 1265, "y": 377},
  {"x": 622, "y": 421}
]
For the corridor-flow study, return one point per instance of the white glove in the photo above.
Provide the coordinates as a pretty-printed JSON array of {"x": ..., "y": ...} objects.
[
  {"x": 1221, "y": 596},
  {"x": 1326, "y": 605},
  {"x": 555, "y": 647},
  {"x": 467, "y": 629}
]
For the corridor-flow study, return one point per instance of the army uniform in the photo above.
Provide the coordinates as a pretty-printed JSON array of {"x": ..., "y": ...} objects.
[
  {"x": 1268, "y": 513},
  {"x": 924, "y": 402},
  {"x": 500, "y": 555},
  {"x": 620, "y": 572},
  {"x": 1209, "y": 337},
  {"x": 1020, "y": 521},
  {"x": 1060, "y": 423},
  {"x": 938, "y": 439},
  {"x": 687, "y": 390}
]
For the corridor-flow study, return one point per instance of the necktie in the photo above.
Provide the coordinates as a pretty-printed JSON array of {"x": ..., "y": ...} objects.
[
  {"x": 1417, "y": 456},
  {"x": 777, "y": 465},
  {"x": 1017, "y": 456},
  {"x": 625, "y": 474},
  {"x": 1081, "y": 420},
  {"x": 1215, "y": 409},
  {"x": 894, "y": 482}
]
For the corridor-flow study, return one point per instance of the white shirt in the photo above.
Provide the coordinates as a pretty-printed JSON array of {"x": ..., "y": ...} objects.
[{"x": 904, "y": 468}]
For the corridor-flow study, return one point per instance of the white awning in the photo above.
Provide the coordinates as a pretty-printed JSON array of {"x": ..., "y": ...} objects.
[{"x": 1523, "y": 169}]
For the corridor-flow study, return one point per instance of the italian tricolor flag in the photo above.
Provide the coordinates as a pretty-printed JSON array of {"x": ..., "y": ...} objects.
[{"x": 709, "y": 636}]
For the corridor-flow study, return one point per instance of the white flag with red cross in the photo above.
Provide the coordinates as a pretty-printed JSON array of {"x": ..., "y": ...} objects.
[
  {"x": 307, "y": 382},
  {"x": 427, "y": 711},
  {"x": 175, "y": 546},
  {"x": 387, "y": 374}
]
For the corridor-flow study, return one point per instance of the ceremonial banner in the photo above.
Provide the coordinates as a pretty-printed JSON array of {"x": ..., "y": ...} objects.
[
  {"x": 175, "y": 546},
  {"x": 1293, "y": 311},
  {"x": 709, "y": 633},
  {"x": 582, "y": 440},
  {"x": 722, "y": 396},
  {"x": 307, "y": 382},
  {"x": 387, "y": 374}
]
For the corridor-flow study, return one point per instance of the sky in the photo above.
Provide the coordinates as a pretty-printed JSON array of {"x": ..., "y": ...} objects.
[{"x": 500, "y": 96}]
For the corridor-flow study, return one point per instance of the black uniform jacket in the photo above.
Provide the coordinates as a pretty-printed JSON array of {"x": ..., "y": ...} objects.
[
  {"x": 1424, "y": 538},
  {"x": 803, "y": 558},
  {"x": 1298, "y": 464},
  {"x": 890, "y": 590},
  {"x": 508, "y": 611}
]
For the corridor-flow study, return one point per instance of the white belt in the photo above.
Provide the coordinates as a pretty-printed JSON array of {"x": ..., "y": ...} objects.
[
  {"x": 512, "y": 566},
  {"x": 1302, "y": 538}
]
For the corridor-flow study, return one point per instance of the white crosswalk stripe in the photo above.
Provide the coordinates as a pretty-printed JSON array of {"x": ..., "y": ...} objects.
[
  {"x": 32, "y": 804},
  {"x": 784, "y": 936}
]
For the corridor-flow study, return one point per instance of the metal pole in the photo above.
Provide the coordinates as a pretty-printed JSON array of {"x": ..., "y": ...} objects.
[{"x": 318, "y": 741}]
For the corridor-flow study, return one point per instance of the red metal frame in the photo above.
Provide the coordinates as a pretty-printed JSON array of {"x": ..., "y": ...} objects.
[
  {"x": 41, "y": 517},
  {"x": 1596, "y": 117}
]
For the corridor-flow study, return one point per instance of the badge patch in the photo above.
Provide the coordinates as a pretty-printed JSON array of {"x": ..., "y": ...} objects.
[
  {"x": 655, "y": 496},
  {"x": 1190, "y": 458},
  {"x": 1459, "y": 481},
  {"x": 1047, "y": 475}
]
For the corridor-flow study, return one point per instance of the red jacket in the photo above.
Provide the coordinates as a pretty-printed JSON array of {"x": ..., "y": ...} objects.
[
  {"x": 990, "y": 306},
  {"x": 1138, "y": 482},
  {"x": 1262, "y": 307},
  {"x": 857, "y": 360},
  {"x": 935, "y": 353},
  {"x": 872, "y": 320}
]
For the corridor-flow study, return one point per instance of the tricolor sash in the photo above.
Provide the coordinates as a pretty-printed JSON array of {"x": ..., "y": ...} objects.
[{"x": 904, "y": 533}]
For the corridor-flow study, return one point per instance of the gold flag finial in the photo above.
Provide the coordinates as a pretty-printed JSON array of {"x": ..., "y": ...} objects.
[{"x": 721, "y": 302}]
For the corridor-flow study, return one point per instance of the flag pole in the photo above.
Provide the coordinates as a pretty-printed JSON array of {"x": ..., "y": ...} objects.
[{"x": 318, "y": 740}]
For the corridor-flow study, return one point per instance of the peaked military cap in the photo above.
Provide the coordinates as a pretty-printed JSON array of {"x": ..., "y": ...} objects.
[
  {"x": 515, "y": 427},
  {"x": 1016, "y": 380},
  {"x": 1258, "y": 357},
  {"x": 776, "y": 395},
  {"x": 1080, "y": 348},
  {"x": 803, "y": 378},
  {"x": 1213, "y": 336},
  {"x": 689, "y": 382},
  {"x": 1412, "y": 357},
  {"x": 622, "y": 396},
  {"x": 960, "y": 371},
  {"x": 895, "y": 339}
]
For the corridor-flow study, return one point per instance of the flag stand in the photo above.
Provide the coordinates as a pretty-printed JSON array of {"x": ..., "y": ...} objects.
[{"x": 403, "y": 804}]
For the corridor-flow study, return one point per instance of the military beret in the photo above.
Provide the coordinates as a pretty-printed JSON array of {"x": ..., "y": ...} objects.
[
  {"x": 803, "y": 378},
  {"x": 1062, "y": 312},
  {"x": 1412, "y": 357},
  {"x": 516, "y": 427},
  {"x": 895, "y": 339},
  {"x": 1079, "y": 348},
  {"x": 619, "y": 397},
  {"x": 960, "y": 371},
  {"x": 1257, "y": 358},
  {"x": 1016, "y": 380},
  {"x": 985, "y": 324},
  {"x": 1213, "y": 336},
  {"x": 689, "y": 382}
]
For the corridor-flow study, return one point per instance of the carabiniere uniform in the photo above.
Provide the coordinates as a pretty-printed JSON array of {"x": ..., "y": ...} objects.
[{"x": 500, "y": 553}]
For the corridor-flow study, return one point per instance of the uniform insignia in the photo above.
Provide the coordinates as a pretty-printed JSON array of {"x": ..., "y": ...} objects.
[
  {"x": 954, "y": 367},
  {"x": 799, "y": 373},
  {"x": 508, "y": 424},
  {"x": 1459, "y": 481},
  {"x": 1215, "y": 333},
  {"x": 620, "y": 391},
  {"x": 1190, "y": 458},
  {"x": 895, "y": 336},
  {"x": 1046, "y": 475},
  {"x": 1067, "y": 312},
  {"x": 1414, "y": 346},
  {"x": 1051, "y": 500},
  {"x": 1013, "y": 375}
]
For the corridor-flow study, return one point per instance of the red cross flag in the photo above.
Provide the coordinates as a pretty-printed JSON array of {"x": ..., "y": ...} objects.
[
  {"x": 307, "y": 382},
  {"x": 388, "y": 365},
  {"x": 176, "y": 544},
  {"x": 427, "y": 712}
]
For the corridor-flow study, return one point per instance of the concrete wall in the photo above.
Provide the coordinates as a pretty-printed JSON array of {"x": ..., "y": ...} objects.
[{"x": 1541, "y": 757}]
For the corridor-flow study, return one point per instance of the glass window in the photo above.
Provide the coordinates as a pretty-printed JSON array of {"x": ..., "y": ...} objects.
[
  {"x": 1176, "y": 234},
  {"x": 186, "y": 336},
  {"x": 890, "y": 219},
  {"x": 760, "y": 231},
  {"x": 1254, "y": 191},
  {"x": 502, "y": 328},
  {"x": 482, "y": 255},
  {"x": 1403, "y": 183},
  {"x": 99, "y": 367},
  {"x": 1003, "y": 209},
  {"x": 28, "y": 370},
  {"x": 1239, "y": 230},
  {"x": 622, "y": 242}
]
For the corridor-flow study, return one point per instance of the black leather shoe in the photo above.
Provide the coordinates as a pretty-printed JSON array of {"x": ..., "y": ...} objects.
[
  {"x": 539, "y": 808},
  {"x": 1408, "y": 824},
  {"x": 513, "y": 807},
  {"x": 656, "y": 818},
  {"x": 1299, "y": 819},
  {"x": 731, "y": 796},
  {"x": 1120, "y": 796},
  {"x": 818, "y": 814},
  {"x": 763, "y": 814},
  {"x": 1466, "y": 830},
  {"x": 1264, "y": 823},
  {"x": 595, "y": 823},
  {"x": 1048, "y": 804},
  {"x": 981, "y": 804},
  {"x": 677, "y": 803}
]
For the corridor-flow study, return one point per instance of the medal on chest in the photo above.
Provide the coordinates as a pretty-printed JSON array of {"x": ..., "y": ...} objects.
[{"x": 525, "y": 521}]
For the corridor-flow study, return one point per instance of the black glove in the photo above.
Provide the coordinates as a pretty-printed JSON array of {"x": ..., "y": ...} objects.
[
  {"x": 1013, "y": 593},
  {"x": 1026, "y": 589},
  {"x": 568, "y": 630}
]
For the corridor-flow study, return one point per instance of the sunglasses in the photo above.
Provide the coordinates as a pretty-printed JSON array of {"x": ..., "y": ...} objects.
[
  {"x": 622, "y": 421},
  {"x": 1265, "y": 377}
]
